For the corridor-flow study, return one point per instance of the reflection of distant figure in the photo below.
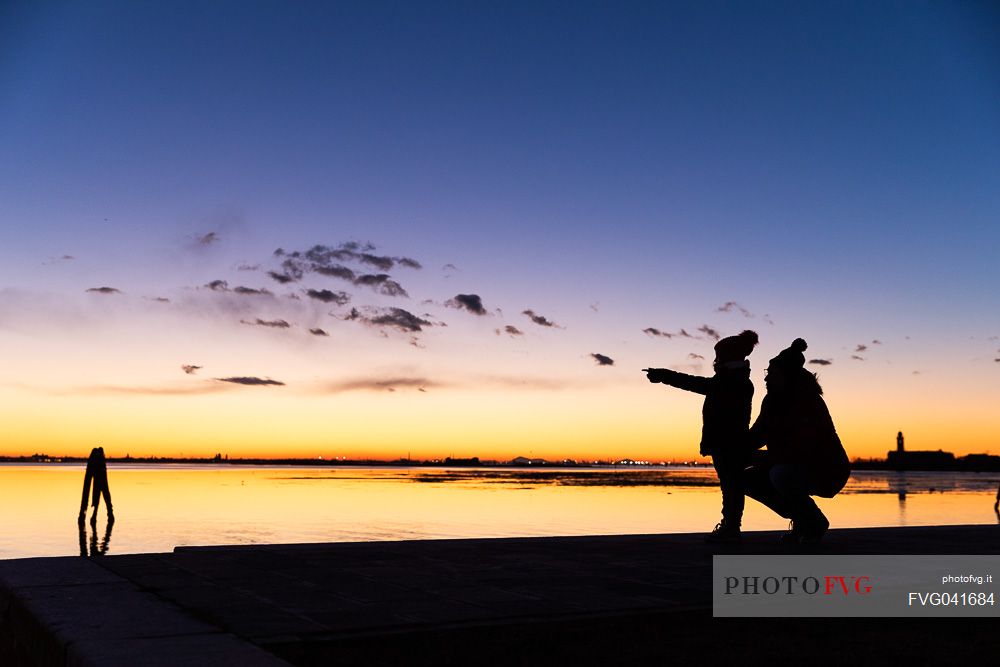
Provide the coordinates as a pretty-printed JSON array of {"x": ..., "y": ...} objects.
[
  {"x": 725, "y": 419},
  {"x": 996, "y": 505},
  {"x": 94, "y": 549},
  {"x": 97, "y": 472},
  {"x": 804, "y": 454}
]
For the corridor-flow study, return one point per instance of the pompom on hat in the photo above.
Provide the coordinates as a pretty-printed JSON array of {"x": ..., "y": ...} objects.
[
  {"x": 735, "y": 348},
  {"x": 791, "y": 357}
]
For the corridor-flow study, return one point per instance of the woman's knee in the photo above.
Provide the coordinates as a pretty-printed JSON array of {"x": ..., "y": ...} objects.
[{"x": 790, "y": 480}]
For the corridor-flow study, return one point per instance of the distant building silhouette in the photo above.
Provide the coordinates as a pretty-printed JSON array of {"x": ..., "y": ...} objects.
[
  {"x": 525, "y": 461},
  {"x": 900, "y": 459}
]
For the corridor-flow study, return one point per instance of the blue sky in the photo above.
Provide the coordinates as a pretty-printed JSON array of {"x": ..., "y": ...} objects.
[{"x": 833, "y": 165}]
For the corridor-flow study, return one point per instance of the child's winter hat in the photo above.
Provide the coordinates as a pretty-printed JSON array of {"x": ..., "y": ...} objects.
[{"x": 735, "y": 348}]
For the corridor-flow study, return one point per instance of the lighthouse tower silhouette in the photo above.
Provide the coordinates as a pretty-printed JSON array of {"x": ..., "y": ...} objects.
[{"x": 899, "y": 442}]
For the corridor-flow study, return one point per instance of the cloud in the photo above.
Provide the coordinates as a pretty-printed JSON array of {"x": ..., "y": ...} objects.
[
  {"x": 336, "y": 271},
  {"x": 470, "y": 302},
  {"x": 652, "y": 331},
  {"x": 282, "y": 278},
  {"x": 681, "y": 333},
  {"x": 321, "y": 255},
  {"x": 104, "y": 290},
  {"x": 250, "y": 291},
  {"x": 318, "y": 332},
  {"x": 380, "y": 263},
  {"x": 409, "y": 263},
  {"x": 326, "y": 296},
  {"x": 396, "y": 318},
  {"x": 857, "y": 358},
  {"x": 251, "y": 381},
  {"x": 861, "y": 348},
  {"x": 731, "y": 306},
  {"x": 510, "y": 330},
  {"x": 223, "y": 286},
  {"x": 328, "y": 260},
  {"x": 540, "y": 320},
  {"x": 692, "y": 355},
  {"x": 207, "y": 239},
  {"x": 876, "y": 342},
  {"x": 274, "y": 324},
  {"x": 602, "y": 360},
  {"x": 821, "y": 362},
  {"x": 709, "y": 331},
  {"x": 247, "y": 267},
  {"x": 190, "y": 369},
  {"x": 381, "y": 384},
  {"x": 381, "y": 283},
  {"x": 61, "y": 258},
  {"x": 161, "y": 299}
]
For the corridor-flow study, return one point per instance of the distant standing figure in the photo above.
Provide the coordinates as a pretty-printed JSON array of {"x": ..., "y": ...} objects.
[
  {"x": 97, "y": 472},
  {"x": 725, "y": 421},
  {"x": 804, "y": 454},
  {"x": 996, "y": 505}
]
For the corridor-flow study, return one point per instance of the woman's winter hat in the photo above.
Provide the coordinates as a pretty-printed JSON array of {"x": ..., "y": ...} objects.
[
  {"x": 735, "y": 348},
  {"x": 791, "y": 357}
]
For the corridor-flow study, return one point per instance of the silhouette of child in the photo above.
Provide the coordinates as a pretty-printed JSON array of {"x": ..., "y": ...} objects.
[
  {"x": 725, "y": 422},
  {"x": 97, "y": 472}
]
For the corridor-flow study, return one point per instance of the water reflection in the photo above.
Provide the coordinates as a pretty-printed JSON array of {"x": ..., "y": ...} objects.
[
  {"x": 169, "y": 506},
  {"x": 898, "y": 483},
  {"x": 94, "y": 549}
]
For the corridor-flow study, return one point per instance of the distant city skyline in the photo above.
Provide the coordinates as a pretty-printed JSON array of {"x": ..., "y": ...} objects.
[{"x": 367, "y": 229}]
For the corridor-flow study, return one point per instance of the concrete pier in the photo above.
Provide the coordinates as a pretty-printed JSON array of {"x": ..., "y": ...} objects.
[{"x": 585, "y": 600}]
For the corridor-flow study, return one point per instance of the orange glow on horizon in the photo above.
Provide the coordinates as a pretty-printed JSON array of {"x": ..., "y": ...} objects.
[{"x": 609, "y": 423}]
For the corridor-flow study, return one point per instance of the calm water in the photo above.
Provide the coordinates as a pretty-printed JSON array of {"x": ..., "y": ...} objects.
[{"x": 160, "y": 507}]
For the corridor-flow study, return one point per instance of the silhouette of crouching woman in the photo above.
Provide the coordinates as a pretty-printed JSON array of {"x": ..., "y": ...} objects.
[
  {"x": 804, "y": 454},
  {"x": 97, "y": 472}
]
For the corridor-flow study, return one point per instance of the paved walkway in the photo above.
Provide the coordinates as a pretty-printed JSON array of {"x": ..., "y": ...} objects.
[{"x": 503, "y": 601}]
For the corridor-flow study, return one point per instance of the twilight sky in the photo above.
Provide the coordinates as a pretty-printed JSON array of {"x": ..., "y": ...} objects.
[{"x": 450, "y": 228}]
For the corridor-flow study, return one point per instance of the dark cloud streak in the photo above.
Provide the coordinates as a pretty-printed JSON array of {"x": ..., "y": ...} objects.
[
  {"x": 470, "y": 302},
  {"x": 540, "y": 320},
  {"x": 274, "y": 324},
  {"x": 326, "y": 296},
  {"x": 602, "y": 360},
  {"x": 251, "y": 381}
]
